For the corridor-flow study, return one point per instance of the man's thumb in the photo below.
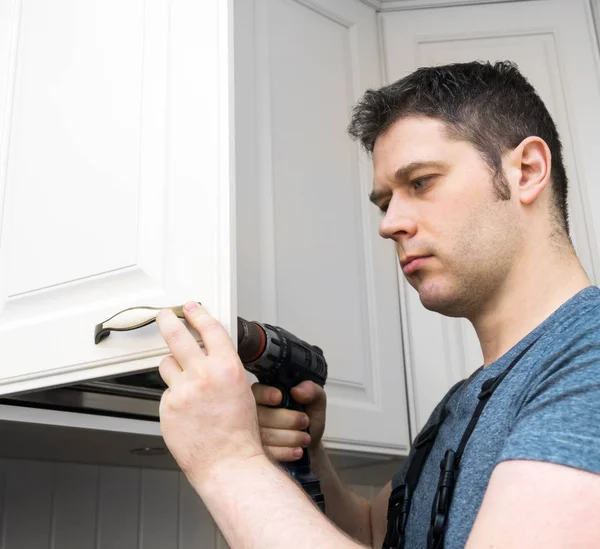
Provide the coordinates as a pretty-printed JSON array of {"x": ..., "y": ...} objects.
[{"x": 308, "y": 392}]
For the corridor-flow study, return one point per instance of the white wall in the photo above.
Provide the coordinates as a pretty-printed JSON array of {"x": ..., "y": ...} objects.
[
  {"x": 50, "y": 505},
  {"x": 53, "y": 505}
]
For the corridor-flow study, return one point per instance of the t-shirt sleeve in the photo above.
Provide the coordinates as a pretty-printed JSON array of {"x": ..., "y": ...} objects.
[{"x": 559, "y": 419}]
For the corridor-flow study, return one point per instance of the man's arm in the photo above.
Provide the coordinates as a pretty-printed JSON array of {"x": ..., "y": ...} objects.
[
  {"x": 358, "y": 517},
  {"x": 532, "y": 504},
  {"x": 281, "y": 435},
  {"x": 255, "y": 504}
]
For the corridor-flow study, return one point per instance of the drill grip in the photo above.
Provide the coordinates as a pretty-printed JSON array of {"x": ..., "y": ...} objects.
[
  {"x": 300, "y": 469},
  {"x": 289, "y": 403}
]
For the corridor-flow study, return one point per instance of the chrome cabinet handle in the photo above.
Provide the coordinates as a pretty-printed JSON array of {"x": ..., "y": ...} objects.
[{"x": 131, "y": 319}]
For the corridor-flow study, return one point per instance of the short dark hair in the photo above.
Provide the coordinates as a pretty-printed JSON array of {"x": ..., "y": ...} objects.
[{"x": 493, "y": 107}]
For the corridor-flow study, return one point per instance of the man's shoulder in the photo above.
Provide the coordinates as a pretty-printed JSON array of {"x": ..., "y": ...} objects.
[
  {"x": 576, "y": 324},
  {"x": 567, "y": 356},
  {"x": 556, "y": 405}
]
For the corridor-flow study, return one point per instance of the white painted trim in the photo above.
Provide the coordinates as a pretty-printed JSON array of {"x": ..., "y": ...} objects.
[
  {"x": 360, "y": 448},
  {"x": 382, "y": 51},
  {"x": 96, "y": 422},
  {"x": 399, "y": 5},
  {"x": 318, "y": 7},
  {"x": 410, "y": 384},
  {"x": 595, "y": 8},
  {"x": 373, "y": 4},
  {"x": 227, "y": 264},
  {"x": 268, "y": 281},
  {"x": 6, "y": 118}
]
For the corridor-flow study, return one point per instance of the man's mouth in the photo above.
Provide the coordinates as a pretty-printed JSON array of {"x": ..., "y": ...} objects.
[{"x": 410, "y": 264}]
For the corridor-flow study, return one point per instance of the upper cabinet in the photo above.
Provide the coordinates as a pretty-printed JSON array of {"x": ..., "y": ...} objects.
[
  {"x": 309, "y": 255},
  {"x": 554, "y": 44},
  {"x": 115, "y": 179}
]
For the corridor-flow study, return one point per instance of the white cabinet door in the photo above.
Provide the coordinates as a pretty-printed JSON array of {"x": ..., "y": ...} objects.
[
  {"x": 310, "y": 259},
  {"x": 554, "y": 45},
  {"x": 115, "y": 183}
]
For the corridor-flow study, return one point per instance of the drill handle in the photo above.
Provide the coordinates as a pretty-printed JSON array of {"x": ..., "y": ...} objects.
[
  {"x": 300, "y": 469},
  {"x": 289, "y": 403}
]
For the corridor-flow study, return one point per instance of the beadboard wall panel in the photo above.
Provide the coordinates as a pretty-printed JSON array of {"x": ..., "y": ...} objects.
[
  {"x": 53, "y": 505},
  {"x": 47, "y": 505}
]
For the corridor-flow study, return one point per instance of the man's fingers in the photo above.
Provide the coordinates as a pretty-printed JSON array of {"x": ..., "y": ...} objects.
[
  {"x": 264, "y": 394},
  {"x": 284, "y": 454},
  {"x": 279, "y": 418},
  {"x": 284, "y": 438},
  {"x": 181, "y": 342},
  {"x": 169, "y": 369},
  {"x": 217, "y": 340},
  {"x": 306, "y": 392}
]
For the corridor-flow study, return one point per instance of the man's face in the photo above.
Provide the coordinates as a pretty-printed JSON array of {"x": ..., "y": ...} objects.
[{"x": 455, "y": 240}]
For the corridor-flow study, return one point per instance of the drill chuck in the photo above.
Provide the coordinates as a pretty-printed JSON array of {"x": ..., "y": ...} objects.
[
  {"x": 277, "y": 357},
  {"x": 252, "y": 340}
]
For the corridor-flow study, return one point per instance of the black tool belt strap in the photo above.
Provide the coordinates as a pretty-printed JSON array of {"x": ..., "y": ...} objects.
[{"x": 401, "y": 496}]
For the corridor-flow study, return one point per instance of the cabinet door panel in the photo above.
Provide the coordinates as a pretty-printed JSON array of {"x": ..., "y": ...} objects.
[
  {"x": 553, "y": 44},
  {"x": 114, "y": 179},
  {"x": 312, "y": 259}
]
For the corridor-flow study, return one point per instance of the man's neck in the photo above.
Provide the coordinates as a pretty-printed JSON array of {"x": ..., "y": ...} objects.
[{"x": 532, "y": 292}]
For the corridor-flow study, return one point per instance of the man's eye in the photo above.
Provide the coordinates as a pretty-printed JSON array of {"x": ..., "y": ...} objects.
[
  {"x": 421, "y": 182},
  {"x": 383, "y": 209}
]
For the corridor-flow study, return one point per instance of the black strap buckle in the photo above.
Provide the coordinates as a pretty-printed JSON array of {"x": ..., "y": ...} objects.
[
  {"x": 397, "y": 517},
  {"x": 487, "y": 388},
  {"x": 425, "y": 436},
  {"x": 442, "y": 499}
]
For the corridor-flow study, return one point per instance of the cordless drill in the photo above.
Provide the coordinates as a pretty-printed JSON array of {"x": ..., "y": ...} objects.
[{"x": 280, "y": 359}]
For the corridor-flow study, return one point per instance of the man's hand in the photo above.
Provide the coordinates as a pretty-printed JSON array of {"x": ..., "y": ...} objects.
[
  {"x": 207, "y": 414},
  {"x": 209, "y": 422},
  {"x": 282, "y": 430}
]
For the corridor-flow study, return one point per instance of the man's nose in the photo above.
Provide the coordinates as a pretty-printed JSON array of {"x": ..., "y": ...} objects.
[{"x": 399, "y": 221}]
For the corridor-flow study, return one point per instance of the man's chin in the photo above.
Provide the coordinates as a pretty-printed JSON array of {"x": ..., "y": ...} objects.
[{"x": 439, "y": 300}]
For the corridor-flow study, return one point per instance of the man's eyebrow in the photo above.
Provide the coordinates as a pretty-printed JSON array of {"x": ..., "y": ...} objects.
[
  {"x": 402, "y": 173},
  {"x": 376, "y": 196}
]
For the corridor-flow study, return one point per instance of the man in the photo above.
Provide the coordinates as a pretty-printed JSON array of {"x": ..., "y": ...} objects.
[{"x": 469, "y": 176}]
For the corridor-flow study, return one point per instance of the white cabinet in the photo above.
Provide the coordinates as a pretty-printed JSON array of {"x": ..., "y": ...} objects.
[
  {"x": 117, "y": 184},
  {"x": 554, "y": 45},
  {"x": 116, "y": 187},
  {"x": 310, "y": 257}
]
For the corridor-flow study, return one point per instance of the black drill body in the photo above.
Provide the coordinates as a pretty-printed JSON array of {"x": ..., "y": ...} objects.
[{"x": 280, "y": 359}]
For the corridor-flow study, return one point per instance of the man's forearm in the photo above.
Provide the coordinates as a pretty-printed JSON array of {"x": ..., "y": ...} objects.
[
  {"x": 256, "y": 505},
  {"x": 347, "y": 510}
]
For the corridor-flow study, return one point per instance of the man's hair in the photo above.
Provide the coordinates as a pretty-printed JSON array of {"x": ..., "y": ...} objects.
[{"x": 493, "y": 107}]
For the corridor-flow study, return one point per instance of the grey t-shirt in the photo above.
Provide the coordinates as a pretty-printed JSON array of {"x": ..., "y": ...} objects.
[{"x": 546, "y": 409}]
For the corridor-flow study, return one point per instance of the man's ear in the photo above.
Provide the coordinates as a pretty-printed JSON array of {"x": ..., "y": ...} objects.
[{"x": 532, "y": 160}]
